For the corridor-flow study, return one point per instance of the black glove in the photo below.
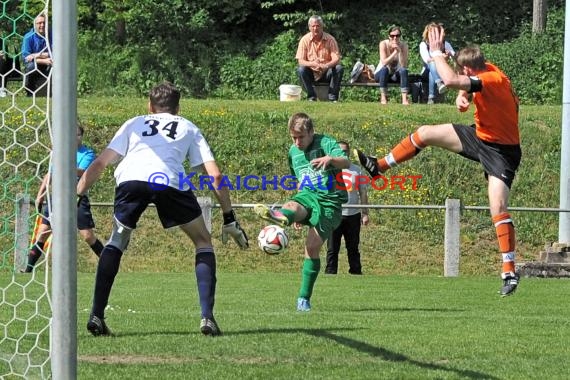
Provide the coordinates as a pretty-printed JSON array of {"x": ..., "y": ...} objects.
[{"x": 232, "y": 228}]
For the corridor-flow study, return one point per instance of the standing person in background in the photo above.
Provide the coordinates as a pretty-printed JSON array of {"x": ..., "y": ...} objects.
[
  {"x": 85, "y": 223},
  {"x": 493, "y": 141},
  {"x": 352, "y": 218},
  {"x": 429, "y": 64},
  {"x": 151, "y": 147},
  {"x": 319, "y": 57},
  {"x": 36, "y": 54},
  {"x": 315, "y": 160},
  {"x": 393, "y": 66}
]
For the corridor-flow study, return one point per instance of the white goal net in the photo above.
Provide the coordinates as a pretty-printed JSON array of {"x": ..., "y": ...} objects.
[{"x": 25, "y": 143}]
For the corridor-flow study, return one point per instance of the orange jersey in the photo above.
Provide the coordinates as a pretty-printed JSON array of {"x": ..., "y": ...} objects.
[{"x": 496, "y": 108}]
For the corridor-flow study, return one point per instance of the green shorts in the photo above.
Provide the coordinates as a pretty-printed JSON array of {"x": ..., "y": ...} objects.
[{"x": 323, "y": 213}]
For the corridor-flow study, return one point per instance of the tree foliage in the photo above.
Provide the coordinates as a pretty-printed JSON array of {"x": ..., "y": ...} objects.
[{"x": 224, "y": 46}]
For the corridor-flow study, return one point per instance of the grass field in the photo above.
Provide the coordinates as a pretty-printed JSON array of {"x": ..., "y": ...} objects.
[
  {"x": 365, "y": 327},
  {"x": 398, "y": 321}
]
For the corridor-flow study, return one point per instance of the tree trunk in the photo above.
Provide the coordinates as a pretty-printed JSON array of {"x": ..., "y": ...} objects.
[
  {"x": 121, "y": 31},
  {"x": 539, "y": 8}
]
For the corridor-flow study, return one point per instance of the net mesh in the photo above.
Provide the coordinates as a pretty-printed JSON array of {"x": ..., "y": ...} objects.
[{"x": 25, "y": 307}]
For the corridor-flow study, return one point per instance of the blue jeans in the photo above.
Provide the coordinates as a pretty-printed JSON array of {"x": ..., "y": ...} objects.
[
  {"x": 384, "y": 77},
  {"x": 433, "y": 79},
  {"x": 333, "y": 77}
]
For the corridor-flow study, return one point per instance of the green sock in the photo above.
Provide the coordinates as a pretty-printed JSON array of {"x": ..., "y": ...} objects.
[
  {"x": 290, "y": 214},
  {"x": 311, "y": 268}
]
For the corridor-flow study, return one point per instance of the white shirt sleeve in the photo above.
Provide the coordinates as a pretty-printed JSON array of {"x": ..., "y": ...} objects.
[
  {"x": 449, "y": 49},
  {"x": 199, "y": 151},
  {"x": 120, "y": 142},
  {"x": 424, "y": 52}
]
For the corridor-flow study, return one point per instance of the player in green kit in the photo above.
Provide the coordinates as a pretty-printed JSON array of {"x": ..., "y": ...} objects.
[{"x": 316, "y": 161}]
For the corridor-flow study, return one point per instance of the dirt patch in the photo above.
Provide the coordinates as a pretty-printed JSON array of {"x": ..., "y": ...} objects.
[{"x": 135, "y": 359}]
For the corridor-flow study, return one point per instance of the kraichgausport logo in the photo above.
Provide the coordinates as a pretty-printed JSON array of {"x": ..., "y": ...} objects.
[{"x": 342, "y": 181}]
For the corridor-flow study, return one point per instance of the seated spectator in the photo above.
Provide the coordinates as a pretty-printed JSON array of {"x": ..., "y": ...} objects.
[
  {"x": 393, "y": 66},
  {"x": 319, "y": 60},
  {"x": 36, "y": 54},
  {"x": 429, "y": 64}
]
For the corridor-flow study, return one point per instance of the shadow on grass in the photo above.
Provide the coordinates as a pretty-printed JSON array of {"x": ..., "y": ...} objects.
[
  {"x": 392, "y": 356},
  {"x": 374, "y": 351},
  {"x": 357, "y": 345}
]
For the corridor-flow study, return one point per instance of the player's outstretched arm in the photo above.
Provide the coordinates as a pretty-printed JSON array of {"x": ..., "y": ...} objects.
[
  {"x": 92, "y": 174},
  {"x": 230, "y": 225},
  {"x": 449, "y": 77}
]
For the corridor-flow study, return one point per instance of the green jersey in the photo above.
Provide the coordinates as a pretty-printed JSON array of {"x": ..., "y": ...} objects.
[{"x": 324, "y": 182}]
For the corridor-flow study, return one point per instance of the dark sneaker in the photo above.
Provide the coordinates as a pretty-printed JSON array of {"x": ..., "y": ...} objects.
[
  {"x": 510, "y": 283},
  {"x": 368, "y": 162},
  {"x": 97, "y": 327},
  {"x": 208, "y": 326}
]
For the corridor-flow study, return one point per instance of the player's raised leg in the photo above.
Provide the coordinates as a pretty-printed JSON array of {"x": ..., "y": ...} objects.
[
  {"x": 279, "y": 217},
  {"x": 443, "y": 136}
]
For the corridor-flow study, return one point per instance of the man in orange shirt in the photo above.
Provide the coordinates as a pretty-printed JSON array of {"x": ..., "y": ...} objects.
[
  {"x": 493, "y": 140},
  {"x": 319, "y": 60}
]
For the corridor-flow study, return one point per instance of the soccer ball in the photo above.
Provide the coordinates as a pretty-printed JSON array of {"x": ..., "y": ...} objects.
[{"x": 272, "y": 240}]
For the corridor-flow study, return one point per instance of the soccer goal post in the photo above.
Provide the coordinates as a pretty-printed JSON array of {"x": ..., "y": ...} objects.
[
  {"x": 64, "y": 246},
  {"x": 38, "y": 312}
]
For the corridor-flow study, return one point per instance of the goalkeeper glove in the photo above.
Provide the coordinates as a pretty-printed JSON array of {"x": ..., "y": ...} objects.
[{"x": 232, "y": 228}]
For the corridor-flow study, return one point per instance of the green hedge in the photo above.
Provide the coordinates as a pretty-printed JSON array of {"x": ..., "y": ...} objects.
[
  {"x": 241, "y": 62},
  {"x": 533, "y": 62}
]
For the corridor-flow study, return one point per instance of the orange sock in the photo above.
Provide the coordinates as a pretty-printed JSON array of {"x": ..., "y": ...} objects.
[
  {"x": 409, "y": 147},
  {"x": 506, "y": 235}
]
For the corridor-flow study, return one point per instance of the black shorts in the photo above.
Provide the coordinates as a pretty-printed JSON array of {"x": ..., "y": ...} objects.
[
  {"x": 498, "y": 160},
  {"x": 84, "y": 217},
  {"x": 174, "y": 207}
]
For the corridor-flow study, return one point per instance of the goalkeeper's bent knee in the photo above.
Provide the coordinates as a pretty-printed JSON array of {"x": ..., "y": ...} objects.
[{"x": 120, "y": 236}]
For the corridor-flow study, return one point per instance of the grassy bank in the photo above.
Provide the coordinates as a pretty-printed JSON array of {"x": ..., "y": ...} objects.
[{"x": 251, "y": 138}]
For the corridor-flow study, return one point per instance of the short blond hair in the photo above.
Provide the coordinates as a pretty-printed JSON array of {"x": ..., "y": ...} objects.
[
  {"x": 430, "y": 26},
  {"x": 300, "y": 122}
]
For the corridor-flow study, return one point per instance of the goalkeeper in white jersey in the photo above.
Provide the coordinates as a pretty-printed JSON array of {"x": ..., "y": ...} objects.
[{"x": 151, "y": 150}]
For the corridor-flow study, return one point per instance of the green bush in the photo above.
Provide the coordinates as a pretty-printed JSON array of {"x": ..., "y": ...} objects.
[
  {"x": 205, "y": 61},
  {"x": 247, "y": 78},
  {"x": 534, "y": 62},
  {"x": 251, "y": 138}
]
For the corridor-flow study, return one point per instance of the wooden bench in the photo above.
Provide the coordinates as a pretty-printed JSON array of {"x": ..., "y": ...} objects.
[{"x": 322, "y": 88}]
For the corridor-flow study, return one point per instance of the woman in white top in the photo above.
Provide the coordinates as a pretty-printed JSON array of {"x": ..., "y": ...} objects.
[
  {"x": 429, "y": 64},
  {"x": 393, "y": 66}
]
